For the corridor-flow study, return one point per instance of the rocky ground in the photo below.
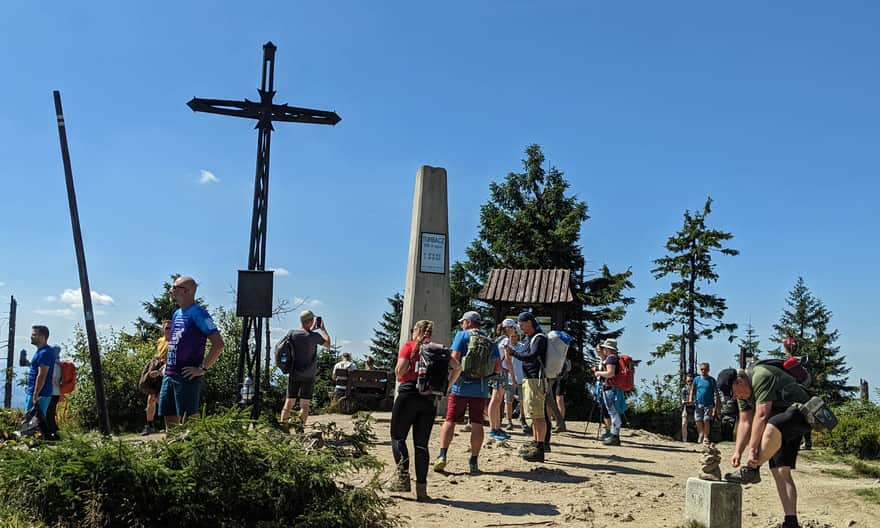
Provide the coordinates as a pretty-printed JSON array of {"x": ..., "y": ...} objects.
[{"x": 582, "y": 483}]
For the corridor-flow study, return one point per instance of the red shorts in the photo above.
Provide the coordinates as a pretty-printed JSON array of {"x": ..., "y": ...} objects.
[{"x": 456, "y": 405}]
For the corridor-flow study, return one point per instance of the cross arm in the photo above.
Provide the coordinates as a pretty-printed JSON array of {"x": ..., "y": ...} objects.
[
  {"x": 225, "y": 107},
  {"x": 304, "y": 115}
]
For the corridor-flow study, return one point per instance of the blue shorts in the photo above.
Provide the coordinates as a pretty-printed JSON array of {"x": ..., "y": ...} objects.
[
  {"x": 44, "y": 403},
  {"x": 703, "y": 413},
  {"x": 179, "y": 396}
]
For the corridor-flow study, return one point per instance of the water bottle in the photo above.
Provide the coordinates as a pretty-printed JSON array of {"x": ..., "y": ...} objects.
[{"x": 22, "y": 358}]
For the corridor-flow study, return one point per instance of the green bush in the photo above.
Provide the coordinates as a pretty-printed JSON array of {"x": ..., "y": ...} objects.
[
  {"x": 223, "y": 470},
  {"x": 857, "y": 432}
]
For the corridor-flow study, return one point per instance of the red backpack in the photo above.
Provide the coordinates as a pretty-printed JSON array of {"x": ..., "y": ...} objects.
[
  {"x": 68, "y": 377},
  {"x": 626, "y": 374}
]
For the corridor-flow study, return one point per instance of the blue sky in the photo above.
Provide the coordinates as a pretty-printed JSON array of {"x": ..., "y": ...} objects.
[{"x": 648, "y": 108}]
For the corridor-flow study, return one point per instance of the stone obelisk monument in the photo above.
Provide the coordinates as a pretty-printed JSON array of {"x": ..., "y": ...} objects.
[{"x": 426, "y": 293}]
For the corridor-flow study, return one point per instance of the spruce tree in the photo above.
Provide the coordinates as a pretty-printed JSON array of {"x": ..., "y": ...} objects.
[
  {"x": 686, "y": 303},
  {"x": 387, "y": 337},
  {"x": 806, "y": 319},
  {"x": 530, "y": 221},
  {"x": 749, "y": 343}
]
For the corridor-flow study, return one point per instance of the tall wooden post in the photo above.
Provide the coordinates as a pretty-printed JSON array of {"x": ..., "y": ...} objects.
[{"x": 10, "y": 354}]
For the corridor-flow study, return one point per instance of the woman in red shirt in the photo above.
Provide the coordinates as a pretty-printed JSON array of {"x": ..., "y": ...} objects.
[{"x": 413, "y": 410}]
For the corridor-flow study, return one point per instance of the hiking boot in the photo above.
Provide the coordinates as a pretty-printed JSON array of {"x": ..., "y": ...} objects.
[
  {"x": 605, "y": 436},
  {"x": 466, "y": 428},
  {"x": 744, "y": 475},
  {"x": 527, "y": 430},
  {"x": 422, "y": 492},
  {"x": 612, "y": 440},
  {"x": 560, "y": 429},
  {"x": 440, "y": 464},
  {"x": 473, "y": 469},
  {"x": 148, "y": 430},
  {"x": 527, "y": 446},
  {"x": 509, "y": 426},
  {"x": 401, "y": 483},
  {"x": 546, "y": 447},
  {"x": 533, "y": 454}
]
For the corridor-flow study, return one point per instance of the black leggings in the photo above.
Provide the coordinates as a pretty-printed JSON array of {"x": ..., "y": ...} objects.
[
  {"x": 411, "y": 409},
  {"x": 51, "y": 422}
]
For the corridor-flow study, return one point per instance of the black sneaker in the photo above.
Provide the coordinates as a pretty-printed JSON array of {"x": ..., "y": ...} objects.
[
  {"x": 533, "y": 454},
  {"x": 546, "y": 447},
  {"x": 527, "y": 430},
  {"x": 744, "y": 475},
  {"x": 613, "y": 440}
]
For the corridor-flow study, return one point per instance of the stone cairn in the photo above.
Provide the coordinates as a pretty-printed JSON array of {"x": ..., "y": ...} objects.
[{"x": 710, "y": 463}]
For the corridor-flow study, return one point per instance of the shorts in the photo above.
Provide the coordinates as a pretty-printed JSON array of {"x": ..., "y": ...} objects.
[
  {"x": 43, "y": 400},
  {"x": 179, "y": 396},
  {"x": 511, "y": 393},
  {"x": 300, "y": 388},
  {"x": 501, "y": 381},
  {"x": 793, "y": 425},
  {"x": 456, "y": 405},
  {"x": 687, "y": 413},
  {"x": 534, "y": 397},
  {"x": 559, "y": 387},
  {"x": 703, "y": 413}
]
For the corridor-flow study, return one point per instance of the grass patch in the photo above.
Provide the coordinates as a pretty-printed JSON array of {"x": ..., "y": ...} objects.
[
  {"x": 865, "y": 469},
  {"x": 840, "y": 473},
  {"x": 871, "y": 495}
]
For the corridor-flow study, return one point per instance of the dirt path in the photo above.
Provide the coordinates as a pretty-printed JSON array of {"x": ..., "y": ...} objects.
[{"x": 583, "y": 483}]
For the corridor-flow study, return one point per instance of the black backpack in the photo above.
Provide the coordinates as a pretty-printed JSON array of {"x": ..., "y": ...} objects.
[
  {"x": 432, "y": 369},
  {"x": 284, "y": 355}
]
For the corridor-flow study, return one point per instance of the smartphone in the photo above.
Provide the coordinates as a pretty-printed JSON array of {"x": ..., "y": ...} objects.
[{"x": 319, "y": 322}]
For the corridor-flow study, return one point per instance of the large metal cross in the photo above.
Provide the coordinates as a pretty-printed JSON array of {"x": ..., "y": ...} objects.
[{"x": 265, "y": 112}]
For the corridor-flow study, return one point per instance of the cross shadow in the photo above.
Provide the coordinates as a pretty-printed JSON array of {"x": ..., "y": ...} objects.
[
  {"x": 654, "y": 447},
  {"x": 624, "y": 470},
  {"x": 612, "y": 458},
  {"x": 544, "y": 474},
  {"x": 506, "y": 508}
]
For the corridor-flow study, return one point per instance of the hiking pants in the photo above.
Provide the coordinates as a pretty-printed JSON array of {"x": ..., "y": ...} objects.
[
  {"x": 609, "y": 394},
  {"x": 412, "y": 410}
]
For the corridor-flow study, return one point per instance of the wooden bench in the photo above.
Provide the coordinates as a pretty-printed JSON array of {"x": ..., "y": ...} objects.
[{"x": 364, "y": 390}]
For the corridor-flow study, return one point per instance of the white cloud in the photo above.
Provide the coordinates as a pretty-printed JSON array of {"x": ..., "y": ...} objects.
[
  {"x": 207, "y": 177},
  {"x": 74, "y": 298},
  {"x": 299, "y": 301},
  {"x": 281, "y": 272},
  {"x": 344, "y": 342},
  {"x": 51, "y": 298},
  {"x": 66, "y": 313}
]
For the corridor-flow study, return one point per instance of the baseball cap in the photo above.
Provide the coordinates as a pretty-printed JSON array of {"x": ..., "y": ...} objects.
[
  {"x": 305, "y": 315},
  {"x": 508, "y": 323},
  {"x": 526, "y": 316},
  {"x": 470, "y": 316},
  {"x": 725, "y": 381}
]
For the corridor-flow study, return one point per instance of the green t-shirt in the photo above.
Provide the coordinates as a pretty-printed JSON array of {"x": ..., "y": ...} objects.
[{"x": 772, "y": 384}]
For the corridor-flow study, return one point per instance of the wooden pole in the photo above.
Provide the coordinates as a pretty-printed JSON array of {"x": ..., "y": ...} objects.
[
  {"x": 10, "y": 354},
  {"x": 88, "y": 312}
]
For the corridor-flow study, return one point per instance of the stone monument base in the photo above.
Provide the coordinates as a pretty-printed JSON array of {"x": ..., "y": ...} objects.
[{"x": 714, "y": 504}]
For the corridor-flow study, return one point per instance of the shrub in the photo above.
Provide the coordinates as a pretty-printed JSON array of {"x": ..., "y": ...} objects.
[
  {"x": 223, "y": 470},
  {"x": 857, "y": 432}
]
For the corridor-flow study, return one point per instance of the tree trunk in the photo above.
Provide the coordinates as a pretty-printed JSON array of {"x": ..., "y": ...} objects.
[{"x": 691, "y": 335}]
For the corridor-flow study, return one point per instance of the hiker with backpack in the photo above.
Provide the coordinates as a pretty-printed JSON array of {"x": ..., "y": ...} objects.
[
  {"x": 38, "y": 391},
  {"x": 502, "y": 386},
  {"x": 150, "y": 381},
  {"x": 480, "y": 360},
  {"x": 789, "y": 347},
  {"x": 775, "y": 411},
  {"x": 609, "y": 392},
  {"x": 424, "y": 370},
  {"x": 299, "y": 348},
  {"x": 535, "y": 385},
  {"x": 513, "y": 392}
]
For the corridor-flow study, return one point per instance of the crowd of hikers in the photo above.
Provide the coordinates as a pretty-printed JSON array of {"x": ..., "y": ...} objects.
[{"x": 520, "y": 372}]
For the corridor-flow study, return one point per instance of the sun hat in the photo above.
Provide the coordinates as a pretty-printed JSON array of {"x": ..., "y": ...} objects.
[
  {"x": 610, "y": 344},
  {"x": 508, "y": 323}
]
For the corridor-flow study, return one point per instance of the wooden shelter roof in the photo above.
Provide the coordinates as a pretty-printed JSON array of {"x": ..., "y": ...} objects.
[{"x": 528, "y": 286}]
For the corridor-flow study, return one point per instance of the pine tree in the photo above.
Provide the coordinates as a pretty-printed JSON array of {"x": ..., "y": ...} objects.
[
  {"x": 749, "y": 344},
  {"x": 530, "y": 222},
  {"x": 158, "y": 309},
  {"x": 808, "y": 320},
  {"x": 690, "y": 262},
  {"x": 387, "y": 337}
]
